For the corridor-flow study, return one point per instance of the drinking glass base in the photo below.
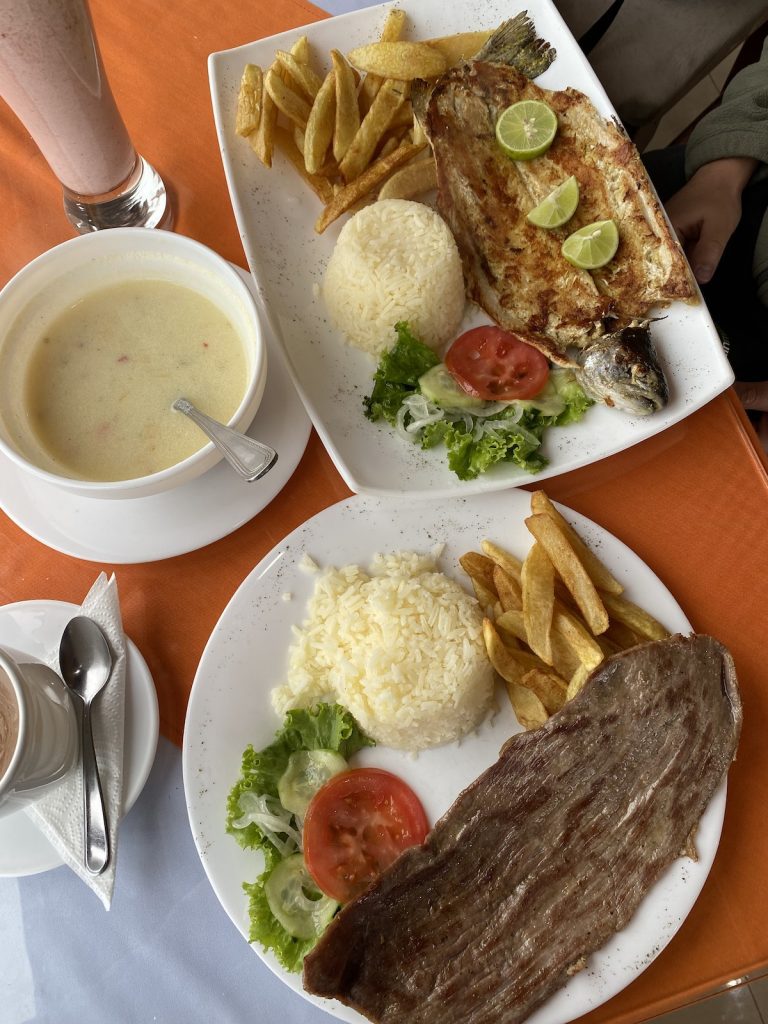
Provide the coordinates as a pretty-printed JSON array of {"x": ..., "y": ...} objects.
[{"x": 141, "y": 202}]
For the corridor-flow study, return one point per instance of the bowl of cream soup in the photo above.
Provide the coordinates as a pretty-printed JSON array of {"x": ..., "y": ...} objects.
[{"x": 99, "y": 336}]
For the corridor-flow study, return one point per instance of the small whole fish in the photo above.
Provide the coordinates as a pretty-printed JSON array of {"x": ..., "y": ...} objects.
[
  {"x": 622, "y": 370},
  {"x": 516, "y": 271}
]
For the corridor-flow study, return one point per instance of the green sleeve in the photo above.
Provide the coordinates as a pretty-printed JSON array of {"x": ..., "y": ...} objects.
[{"x": 739, "y": 125}]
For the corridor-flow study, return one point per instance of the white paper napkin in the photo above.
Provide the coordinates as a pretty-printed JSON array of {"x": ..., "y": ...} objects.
[{"x": 59, "y": 814}]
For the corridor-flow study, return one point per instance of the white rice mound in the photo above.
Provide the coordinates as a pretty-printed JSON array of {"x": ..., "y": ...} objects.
[
  {"x": 400, "y": 646},
  {"x": 395, "y": 260}
]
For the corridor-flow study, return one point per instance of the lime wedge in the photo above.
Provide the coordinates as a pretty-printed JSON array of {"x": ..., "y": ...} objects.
[
  {"x": 558, "y": 207},
  {"x": 592, "y": 246},
  {"x": 526, "y": 129}
]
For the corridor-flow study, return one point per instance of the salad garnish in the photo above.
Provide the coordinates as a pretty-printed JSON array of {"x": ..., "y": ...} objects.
[
  {"x": 287, "y": 910},
  {"x": 476, "y": 433}
]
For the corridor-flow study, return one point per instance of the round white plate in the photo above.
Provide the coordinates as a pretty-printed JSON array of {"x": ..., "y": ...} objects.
[
  {"x": 130, "y": 530},
  {"x": 35, "y": 627},
  {"x": 229, "y": 708}
]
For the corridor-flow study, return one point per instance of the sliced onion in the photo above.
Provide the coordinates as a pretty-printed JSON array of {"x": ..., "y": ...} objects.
[{"x": 272, "y": 818}]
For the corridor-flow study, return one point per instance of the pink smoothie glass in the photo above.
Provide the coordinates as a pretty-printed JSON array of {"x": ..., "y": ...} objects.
[{"x": 52, "y": 77}]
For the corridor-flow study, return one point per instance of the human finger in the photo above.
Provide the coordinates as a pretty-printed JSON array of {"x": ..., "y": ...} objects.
[{"x": 753, "y": 394}]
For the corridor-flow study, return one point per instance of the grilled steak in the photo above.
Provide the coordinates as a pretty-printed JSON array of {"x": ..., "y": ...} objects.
[
  {"x": 548, "y": 853},
  {"x": 515, "y": 270}
]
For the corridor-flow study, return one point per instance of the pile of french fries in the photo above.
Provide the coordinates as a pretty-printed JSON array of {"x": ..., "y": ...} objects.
[
  {"x": 349, "y": 137},
  {"x": 552, "y": 618}
]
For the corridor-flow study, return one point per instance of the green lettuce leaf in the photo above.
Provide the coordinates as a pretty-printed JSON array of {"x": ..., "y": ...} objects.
[
  {"x": 264, "y": 926},
  {"x": 397, "y": 375},
  {"x": 325, "y": 726},
  {"x": 468, "y": 458},
  {"x": 561, "y": 401}
]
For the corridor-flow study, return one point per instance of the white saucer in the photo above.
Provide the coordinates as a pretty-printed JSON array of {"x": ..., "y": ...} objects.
[
  {"x": 131, "y": 530},
  {"x": 35, "y": 628}
]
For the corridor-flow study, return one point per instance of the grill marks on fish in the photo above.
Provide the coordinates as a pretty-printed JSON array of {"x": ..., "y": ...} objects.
[
  {"x": 547, "y": 854},
  {"x": 649, "y": 267},
  {"x": 515, "y": 270}
]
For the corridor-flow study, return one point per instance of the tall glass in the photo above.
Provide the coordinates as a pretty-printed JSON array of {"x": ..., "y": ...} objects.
[{"x": 52, "y": 77}]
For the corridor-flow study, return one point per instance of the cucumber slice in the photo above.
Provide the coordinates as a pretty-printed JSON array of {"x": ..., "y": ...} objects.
[
  {"x": 295, "y": 900},
  {"x": 439, "y": 386},
  {"x": 307, "y": 771}
]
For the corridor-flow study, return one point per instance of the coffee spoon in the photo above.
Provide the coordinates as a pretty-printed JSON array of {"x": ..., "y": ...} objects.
[
  {"x": 86, "y": 665},
  {"x": 251, "y": 459}
]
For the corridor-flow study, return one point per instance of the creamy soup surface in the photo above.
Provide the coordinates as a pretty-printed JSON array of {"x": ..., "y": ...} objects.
[{"x": 102, "y": 379}]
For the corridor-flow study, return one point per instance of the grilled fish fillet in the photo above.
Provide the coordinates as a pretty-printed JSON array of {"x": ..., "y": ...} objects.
[{"x": 515, "y": 270}]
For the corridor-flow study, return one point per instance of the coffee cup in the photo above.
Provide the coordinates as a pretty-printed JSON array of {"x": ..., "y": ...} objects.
[{"x": 38, "y": 730}]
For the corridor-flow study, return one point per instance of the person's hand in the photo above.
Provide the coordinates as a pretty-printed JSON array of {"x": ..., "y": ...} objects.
[{"x": 706, "y": 211}]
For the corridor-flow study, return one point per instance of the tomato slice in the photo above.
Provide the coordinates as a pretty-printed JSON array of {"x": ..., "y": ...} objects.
[
  {"x": 497, "y": 365},
  {"x": 356, "y": 826}
]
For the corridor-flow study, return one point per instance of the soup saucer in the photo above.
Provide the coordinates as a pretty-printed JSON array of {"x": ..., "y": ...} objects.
[
  {"x": 35, "y": 627},
  {"x": 131, "y": 530}
]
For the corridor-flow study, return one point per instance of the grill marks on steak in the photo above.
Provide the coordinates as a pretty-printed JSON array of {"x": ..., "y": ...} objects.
[{"x": 547, "y": 854}]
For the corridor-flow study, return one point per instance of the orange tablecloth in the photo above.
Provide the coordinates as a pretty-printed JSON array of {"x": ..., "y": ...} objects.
[{"x": 693, "y": 502}]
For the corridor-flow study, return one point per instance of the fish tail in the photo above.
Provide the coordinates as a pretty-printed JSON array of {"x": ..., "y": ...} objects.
[{"x": 515, "y": 42}]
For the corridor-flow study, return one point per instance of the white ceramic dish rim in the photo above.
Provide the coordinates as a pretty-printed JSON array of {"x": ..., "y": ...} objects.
[
  {"x": 411, "y": 474},
  {"x": 206, "y": 456},
  {"x": 254, "y": 628}
]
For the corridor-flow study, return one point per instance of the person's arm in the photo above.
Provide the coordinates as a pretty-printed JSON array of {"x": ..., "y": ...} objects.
[
  {"x": 705, "y": 212},
  {"x": 723, "y": 152}
]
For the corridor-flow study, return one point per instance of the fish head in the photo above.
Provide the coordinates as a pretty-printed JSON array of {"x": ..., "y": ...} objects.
[{"x": 622, "y": 370}]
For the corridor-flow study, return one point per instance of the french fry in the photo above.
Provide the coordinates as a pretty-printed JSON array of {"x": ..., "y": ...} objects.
[
  {"x": 480, "y": 572},
  {"x": 388, "y": 100},
  {"x": 477, "y": 566},
  {"x": 508, "y": 589},
  {"x": 538, "y": 592},
  {"x": 393, "y": 26},
  {"x": 401, "y": 60},
  {"x": 389, "y": 146},
  {"x": 300, "y": 50},
  {"x": 320, "y": 125},
  {"x": 263, "y": 139},
  {"x": 347, "y": 110},
  {"x": 390, "y": 33},
  {"x": 638, "y": 620},
  {"x": 564, "y": 659},
  {"x": 288, "y": 102},
  {"x": 527, "y": 705},
  {"x": 249, "y": 100},
  {"x": 598, "y": 573},
  {"x": 300, "y": 74},
  {"x": 621, "y": 635},
  {"x": 529, "y": 710},
  {"x": 412, "y": 180},
  {"x": 502, "y": 657},
  {"x": 550, "y": 535},
  {"x": 576, "y": 682},
  {"x": 507, "y": 561},
  {"x": 584, "y": 646},
  {"x": 369, "y": 181},
  {"x": 460, "y": 46},
  {"x": 548, "y": 687},
  {"x": 512, "y": 624},
  {"x": 320, "y": 185}
]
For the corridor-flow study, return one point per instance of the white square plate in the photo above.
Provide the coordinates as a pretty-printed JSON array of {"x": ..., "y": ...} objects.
[{"x": 276, "y": 213}]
